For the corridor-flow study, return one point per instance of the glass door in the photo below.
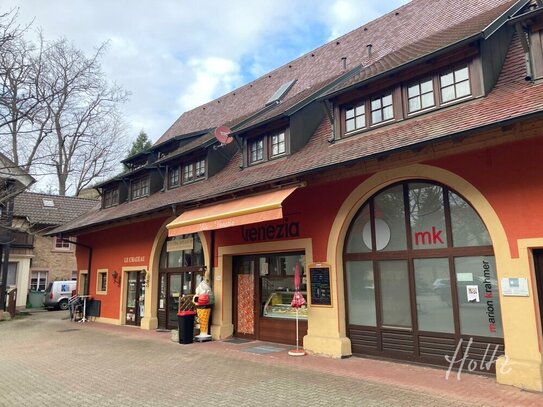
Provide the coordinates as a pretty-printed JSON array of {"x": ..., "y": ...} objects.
[
  {"x": 131, "y": 297},
  {"x": 174, "y": 293}
]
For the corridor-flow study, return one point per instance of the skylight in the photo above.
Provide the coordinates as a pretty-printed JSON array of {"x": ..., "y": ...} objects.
[
  {"x": 281, "y": 92},
  {"x": 48, "y": 203}
]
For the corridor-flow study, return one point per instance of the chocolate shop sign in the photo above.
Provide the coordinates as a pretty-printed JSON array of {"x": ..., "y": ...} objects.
[{"x": 282, "y": 230}]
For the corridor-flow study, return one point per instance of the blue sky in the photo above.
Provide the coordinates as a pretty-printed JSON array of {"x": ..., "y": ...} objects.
[{"x": 173, "y": 55}]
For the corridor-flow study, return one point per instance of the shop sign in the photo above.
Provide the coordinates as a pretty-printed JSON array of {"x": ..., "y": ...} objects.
[
  {"x": 272, "y": 232},
  {"x": 180, "y": 244},
  {"x": 515, "y": 287},
  {"x": 134, "y": 259},
  {"x": 489, "y": 297}
]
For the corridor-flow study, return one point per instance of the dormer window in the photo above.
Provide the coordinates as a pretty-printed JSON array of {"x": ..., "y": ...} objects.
[
  {"x": 381, "y": 109},
  {"x": 267, "y": 147},
  {"x": 370, "y": 112},
  {"x": 140, "y": 187},
  {"x": 173, "y": 177},
  {"x": 420, "y": 96},
  {"x": 455, "y": 84},
  {"x": 194, "y": 171},
  {"x": 278, "y": 144},
  {"x": 111, "y": 197}
]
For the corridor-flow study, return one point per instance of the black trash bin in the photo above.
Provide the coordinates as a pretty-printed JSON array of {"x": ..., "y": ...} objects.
[{"x": 186, "y": 326}]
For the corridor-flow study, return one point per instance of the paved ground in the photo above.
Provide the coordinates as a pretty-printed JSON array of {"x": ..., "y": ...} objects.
[{"x": 46, "y": 360}]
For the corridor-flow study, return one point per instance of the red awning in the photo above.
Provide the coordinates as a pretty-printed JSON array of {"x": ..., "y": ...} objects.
[{"x": 242, "y": 211}]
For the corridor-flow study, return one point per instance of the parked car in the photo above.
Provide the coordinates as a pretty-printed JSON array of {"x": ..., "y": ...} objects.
[{"x": 58, "y": 293}]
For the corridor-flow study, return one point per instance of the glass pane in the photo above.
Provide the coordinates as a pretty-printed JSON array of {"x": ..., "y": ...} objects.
[
  {"x": 349, "y": 125},
  {"x": 376, "y": 104},
  {"x": 395, "y": 301},
  {"x": 131, "y": 292},
  {"x": 173, "y": 298},
  {"x": 388, "y": 113},
  {"x": 414, "y": 104},
  {"x": 462, "y": 89},
  {"x": 275, "y": 149},
  {"x": 426, "y": 87},
  {"x": 387, "y": 100},
  {"x": 390, "y": 220},
  {"x": 361, "y": 293},
  {"x": 162, "y": 292},
  {"x": 427, "y": 100},
  {"x": 461, "y": 74},
  {"x": 427, "y": 216},
  {"x": 187, "y": 286},
  {"x": 361, "y": 122},
  {"x": 478, "y": 297},
  {"x": 360, "y": 110},
  {"x": 413, "y": 91},
  {"x": 434, "y": 300},
  {"x": 349, "y": 114},
  {"x": 376, "y": 117},
  {"x": 447, "y": 94},
  {"x": 467, "y": 227},
  {"x": 359, "y": 237},
  {"x": 447, "y": 80}
]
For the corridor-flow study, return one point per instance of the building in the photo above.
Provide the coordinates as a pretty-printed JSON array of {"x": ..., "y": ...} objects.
[
  {"x": 397, "y": 165},
  {"x": 36, "y": 259},
  {"x": 13, "y": 180}
]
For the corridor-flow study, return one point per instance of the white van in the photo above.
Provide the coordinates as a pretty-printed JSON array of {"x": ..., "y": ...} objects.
[{"x": 58, "y": 293}]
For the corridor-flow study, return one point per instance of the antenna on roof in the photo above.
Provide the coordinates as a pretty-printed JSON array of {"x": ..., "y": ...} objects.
[{"x": 222, "y": 134}]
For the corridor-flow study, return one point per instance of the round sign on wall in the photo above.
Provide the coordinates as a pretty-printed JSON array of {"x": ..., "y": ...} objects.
[{"x": 382, "y": 234}]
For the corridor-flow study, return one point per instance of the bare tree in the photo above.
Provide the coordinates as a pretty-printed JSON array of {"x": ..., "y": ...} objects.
[{"x": 82, "y": 113}]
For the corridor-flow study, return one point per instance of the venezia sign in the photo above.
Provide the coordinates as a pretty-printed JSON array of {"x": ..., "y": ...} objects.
[{"x": 272, "y": 232}]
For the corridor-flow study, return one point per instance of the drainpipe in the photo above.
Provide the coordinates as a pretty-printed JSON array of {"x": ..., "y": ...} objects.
[
  {"x": 523, "y": 34},
  {"x": 86, "y": 288},
  {"x": 212, "y": 257}
]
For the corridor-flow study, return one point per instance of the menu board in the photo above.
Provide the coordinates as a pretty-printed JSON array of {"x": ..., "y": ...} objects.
[{"x": 319, "y": 278}]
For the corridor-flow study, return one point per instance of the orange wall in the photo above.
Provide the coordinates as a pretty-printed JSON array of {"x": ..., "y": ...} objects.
[
  {"x": 511, "y": 178},
  {"x": 109, "y": 249}
]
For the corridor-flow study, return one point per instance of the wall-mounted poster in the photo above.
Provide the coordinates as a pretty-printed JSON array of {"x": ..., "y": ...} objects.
[{"x": 319, "y": 279}]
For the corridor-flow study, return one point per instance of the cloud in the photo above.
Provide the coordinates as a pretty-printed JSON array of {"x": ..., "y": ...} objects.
[
  {"x": 173, "y": 55},
  {"x": 212, "y": 76}
]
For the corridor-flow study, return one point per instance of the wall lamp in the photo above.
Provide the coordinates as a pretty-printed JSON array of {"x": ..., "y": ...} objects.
[{"x": 116, "y": 277}]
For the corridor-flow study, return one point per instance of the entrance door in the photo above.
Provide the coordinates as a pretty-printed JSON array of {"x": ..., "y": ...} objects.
[
  {"x": 245, "y": 298},
  {"x": 135, "y": 298}
]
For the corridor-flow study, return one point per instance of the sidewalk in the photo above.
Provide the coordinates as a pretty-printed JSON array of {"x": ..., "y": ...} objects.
[{"x": 468, "y": 388}]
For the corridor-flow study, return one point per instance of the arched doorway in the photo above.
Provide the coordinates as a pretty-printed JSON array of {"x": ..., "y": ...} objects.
[
  {"x": 181, "y": 269},
  {"x": 420, "y": 277}
]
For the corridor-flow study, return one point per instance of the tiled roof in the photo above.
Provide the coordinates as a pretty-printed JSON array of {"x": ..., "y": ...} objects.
[
  {"x": 319, "y": 154},
  {"x": 53, "y": 210},
  {"x": 413, "y": 30}
]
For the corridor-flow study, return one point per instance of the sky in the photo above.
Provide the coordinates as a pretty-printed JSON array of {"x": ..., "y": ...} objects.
[{"x": 174, "y": 55}]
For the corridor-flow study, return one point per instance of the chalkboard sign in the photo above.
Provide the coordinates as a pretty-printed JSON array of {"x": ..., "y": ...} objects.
[
  {"x": 319, "y": 278},
  {"x": 93, "y": 308}
]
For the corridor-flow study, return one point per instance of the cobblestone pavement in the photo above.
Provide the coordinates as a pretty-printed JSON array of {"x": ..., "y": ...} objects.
[{"x": 46, "y": 360}]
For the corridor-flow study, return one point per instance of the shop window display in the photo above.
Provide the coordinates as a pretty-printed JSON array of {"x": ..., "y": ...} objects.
[{"x": 408, "y": 267}]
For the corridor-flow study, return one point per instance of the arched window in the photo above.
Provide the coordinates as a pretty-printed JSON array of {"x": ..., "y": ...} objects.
[{"x": 419, "y": 266}]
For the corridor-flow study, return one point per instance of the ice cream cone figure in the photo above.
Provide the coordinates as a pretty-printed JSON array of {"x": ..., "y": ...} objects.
[{"x": 203, "y": 317}]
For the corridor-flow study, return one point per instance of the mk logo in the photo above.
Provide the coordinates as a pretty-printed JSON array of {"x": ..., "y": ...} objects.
[{"x": 433, "y": 237}]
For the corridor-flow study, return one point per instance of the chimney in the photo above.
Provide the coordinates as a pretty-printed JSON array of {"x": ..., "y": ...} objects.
[
  {"x": 344, "y": 63},
  {"x": 369, "y": 50}
]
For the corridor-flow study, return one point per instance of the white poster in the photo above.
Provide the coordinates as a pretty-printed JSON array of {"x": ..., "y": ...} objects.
[{"x": 473, "y": 293}]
